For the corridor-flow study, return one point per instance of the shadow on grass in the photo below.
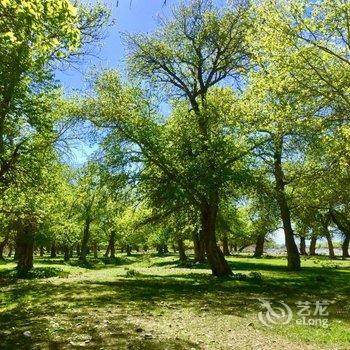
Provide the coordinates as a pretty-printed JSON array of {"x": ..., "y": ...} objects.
[
  {"x": 35, "y": 273},
  {"x": 91, "y": 263},
  {"x": 90, "y": 315},
  {"x": 258, "y": 265},
  {"x": 91, "y": 332},
  {"x": 95, "y": 313}
]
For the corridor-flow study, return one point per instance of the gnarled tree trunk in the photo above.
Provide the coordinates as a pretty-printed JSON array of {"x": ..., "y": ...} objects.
[
  {"x": 10, "y": 251},
  {"x": 302, "y": 246},
  {"x": 181, "y": 247},
  {"x": 85, "y": 241},
  {"x": 3, "y": 245},
  {"x": 112, "y": 244},
  {"x": 259, "y": 246},
  {"x": 94, "y": 247},
  {"x": 108, "y": 249},
  {"x": 66, "y": 254},
  {"x": 292, "y": 249},
  {"x": 53, "y": 253},
  {"x": 198, "y": 246},
  {"x": 225, "y": 248},
  {"x": 343, "y": 225},
  {"x": 41, "y": 250},
  {"x": 24, "y": 250},
  {"x": 216, "y": 259},
  {"x": 313, "y": 242},
  {"x": 330, "y": 244}
]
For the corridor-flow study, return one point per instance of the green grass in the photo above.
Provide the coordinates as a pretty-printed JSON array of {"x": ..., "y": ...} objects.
[{"x": 150, "y": 302}]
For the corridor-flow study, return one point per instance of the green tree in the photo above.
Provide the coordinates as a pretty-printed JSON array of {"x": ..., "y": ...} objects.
[
  {"x": 198, "y": 146},
  {"x": 33, "y": 38}
]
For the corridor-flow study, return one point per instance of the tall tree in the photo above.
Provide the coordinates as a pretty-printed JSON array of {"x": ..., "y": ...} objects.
[{"x": 189, "y": 55}]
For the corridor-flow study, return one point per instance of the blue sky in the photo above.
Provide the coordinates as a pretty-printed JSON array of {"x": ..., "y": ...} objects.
[
  {"x": 136, "y": 16},
  {"x": 139, "y": 16}
]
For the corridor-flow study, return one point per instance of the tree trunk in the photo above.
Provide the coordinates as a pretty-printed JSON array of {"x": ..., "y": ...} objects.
[
  {"x": 53, "y": 253},
  {"x": 198, "y": 246},
  {"x": 225, "y": 248},
  {"x": 160, "y": 249},
  {"x": 10, "y": 251},
  {"x": 216, "y": 259},
  {"x": 345, "y": 247},
  {"x": 259, "y": 246},
  {"x": 3, "y": 245},
  {"x": 330, "y": 244},
  {"x": 344, "y": 226},
  {"x": 78, "y": 250},
  {"x": 112, "y": 245},
  {"x": 95, "y": 250},
  {"x": 25, "y": 250},
  {"x": 235, "y": 248},
  {"x": 165, "y": 248},
  {"x": 293, "y": 256},
  {"x": 128, "y": 249},
  {"x": 41, "y": 250},
  {"x": 108, "y": 249},
  {"x": 181, "y": 247},
  {"x": 66, "y": 252},
  {"x": 302, "y": 246},
  {"x": 85, "y": 241},
  {"x": 313, "y": 242}
]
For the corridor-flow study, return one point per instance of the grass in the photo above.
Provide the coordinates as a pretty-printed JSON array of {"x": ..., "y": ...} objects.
[{"x": 150, "y": 302}]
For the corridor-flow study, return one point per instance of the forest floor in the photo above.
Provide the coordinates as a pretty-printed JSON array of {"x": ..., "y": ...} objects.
[{"x": 150, "y": 302}]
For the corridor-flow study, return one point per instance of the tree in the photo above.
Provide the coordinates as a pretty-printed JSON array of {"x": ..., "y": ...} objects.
[
  {"x": 34, "y": 37},
  {"x": 26, "y": 205},
  {"x": 289, "y": 111},
  {"x": 201, "y": 160},
  {"x": 92, "y": 196},
  {"x": 309, "y": 41},
  {"x": 276, "y": 109}
]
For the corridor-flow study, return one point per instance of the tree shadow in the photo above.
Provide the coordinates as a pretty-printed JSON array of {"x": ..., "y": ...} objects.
[
  {"x": 90, "y": 263},
  {"x": 35, "y": 273},
  {"x": 95, "y": 313}
]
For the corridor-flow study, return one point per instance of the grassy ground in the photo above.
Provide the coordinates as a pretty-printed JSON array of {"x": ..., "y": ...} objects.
[{"x": 149, "y": 302}]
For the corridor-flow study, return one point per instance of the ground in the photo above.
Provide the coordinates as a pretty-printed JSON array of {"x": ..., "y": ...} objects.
[{"x": 150, "y": 302}]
